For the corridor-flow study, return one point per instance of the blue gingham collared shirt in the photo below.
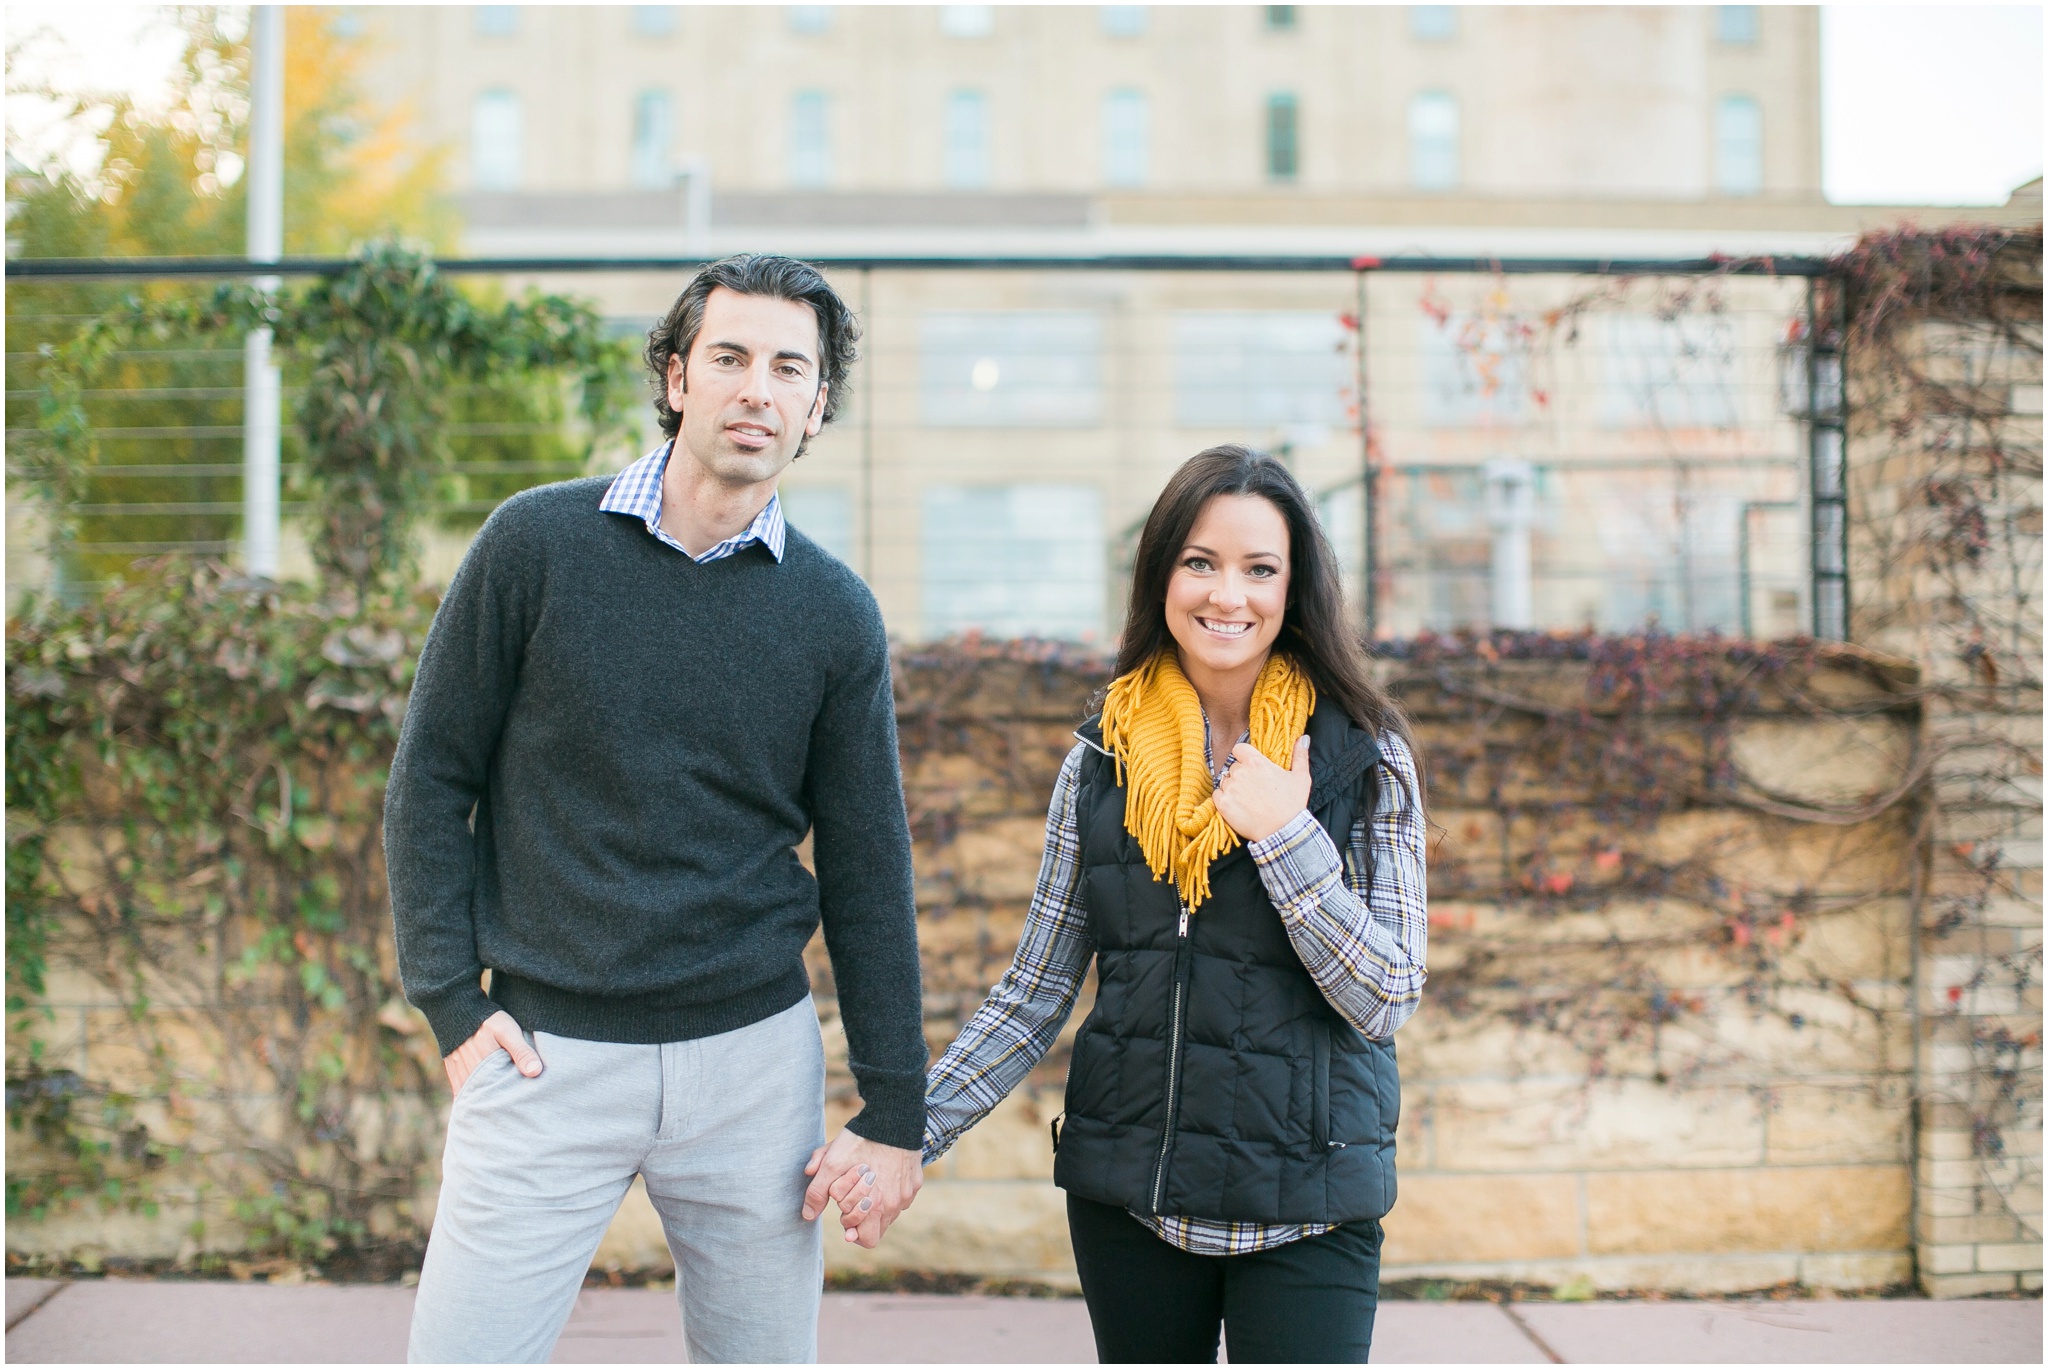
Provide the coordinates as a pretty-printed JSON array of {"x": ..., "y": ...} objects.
[
  {"x": 636, "y": 492},
  {"x": 1363, "y": 945}
]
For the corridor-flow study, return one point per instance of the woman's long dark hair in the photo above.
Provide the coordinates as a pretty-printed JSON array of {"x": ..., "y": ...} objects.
[{"x": 1316, "y": 632}]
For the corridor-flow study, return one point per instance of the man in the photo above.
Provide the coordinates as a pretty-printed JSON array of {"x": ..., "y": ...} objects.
[{"x": 637, "y": 698}]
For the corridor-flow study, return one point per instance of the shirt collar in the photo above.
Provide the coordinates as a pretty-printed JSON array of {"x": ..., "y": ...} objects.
[{"x": 636, "y": 492}]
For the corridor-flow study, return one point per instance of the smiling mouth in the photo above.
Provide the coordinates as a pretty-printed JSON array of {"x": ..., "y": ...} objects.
[{"x": 1224, "y": 629}]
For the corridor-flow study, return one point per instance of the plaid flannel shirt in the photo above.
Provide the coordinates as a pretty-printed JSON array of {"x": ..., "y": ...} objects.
[
  {"x": 636, "y": 492},
  {"x": 1364, "y": 949}
]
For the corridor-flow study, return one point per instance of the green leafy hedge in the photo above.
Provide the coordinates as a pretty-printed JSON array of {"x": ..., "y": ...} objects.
[{"x": 195, "y": 772}]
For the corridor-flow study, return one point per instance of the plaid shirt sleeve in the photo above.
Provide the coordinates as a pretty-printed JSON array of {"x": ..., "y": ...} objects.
[
  {"x": 1011, "y": 1031},
  {"x": 1365, "y": 948}
]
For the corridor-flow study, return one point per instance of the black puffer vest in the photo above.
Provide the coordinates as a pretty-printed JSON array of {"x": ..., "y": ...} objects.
[{"x": 1213, "y": 1079}]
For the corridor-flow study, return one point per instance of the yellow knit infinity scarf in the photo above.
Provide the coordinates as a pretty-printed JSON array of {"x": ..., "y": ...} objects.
[{"x": 1152, "y": 724}]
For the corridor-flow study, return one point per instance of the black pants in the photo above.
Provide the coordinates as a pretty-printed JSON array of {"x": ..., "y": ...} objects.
[{"x": 1310, "y": 1301}]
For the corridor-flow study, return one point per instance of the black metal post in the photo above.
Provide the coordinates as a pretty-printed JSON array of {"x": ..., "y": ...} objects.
[
  {"x": 1827, "y": 473},
  {"x": 1368, "y": 493}
]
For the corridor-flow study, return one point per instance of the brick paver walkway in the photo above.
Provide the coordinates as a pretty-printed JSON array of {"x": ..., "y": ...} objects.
[{"x": 145, "y": 1321}]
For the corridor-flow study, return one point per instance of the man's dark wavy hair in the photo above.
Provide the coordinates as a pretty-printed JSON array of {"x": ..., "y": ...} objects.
[{"x": 753, "y": 273}]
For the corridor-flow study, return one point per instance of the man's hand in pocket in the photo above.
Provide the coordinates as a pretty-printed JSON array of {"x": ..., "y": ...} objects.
[{"x": 498, "y": 1033}]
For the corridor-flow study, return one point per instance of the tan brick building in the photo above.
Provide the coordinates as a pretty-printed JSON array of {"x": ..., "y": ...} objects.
[{"x": 1017, "y": 419}]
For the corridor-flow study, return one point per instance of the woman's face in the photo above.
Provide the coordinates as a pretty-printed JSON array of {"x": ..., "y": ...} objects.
[{"x": 1228, "y": 594}]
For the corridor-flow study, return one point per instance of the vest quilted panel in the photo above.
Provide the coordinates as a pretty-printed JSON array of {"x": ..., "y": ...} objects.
[{"x": 1212, "y": 1079}]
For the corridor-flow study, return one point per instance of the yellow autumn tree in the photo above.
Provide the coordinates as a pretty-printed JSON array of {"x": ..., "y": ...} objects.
[
  {"x": 169, "y": 182},
  {"x": 353, "y": 167}
]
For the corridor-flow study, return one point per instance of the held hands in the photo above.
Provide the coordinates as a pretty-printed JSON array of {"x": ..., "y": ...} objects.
[
  {"x": 871, "y": 1182},
  {"x": 499, "y": 1032},
  {"x": 1256, "y": 797}
]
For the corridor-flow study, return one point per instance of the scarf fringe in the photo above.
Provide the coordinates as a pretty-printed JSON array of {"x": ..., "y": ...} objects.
[{"x": 1152, "y": 725}]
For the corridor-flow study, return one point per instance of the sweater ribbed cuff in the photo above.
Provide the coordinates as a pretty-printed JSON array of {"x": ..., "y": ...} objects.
[
  {"x": 455, "y": 1015},
  {"x": 892, "y": 1107}
]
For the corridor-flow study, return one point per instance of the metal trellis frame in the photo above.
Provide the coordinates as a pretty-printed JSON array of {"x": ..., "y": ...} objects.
[
  {"x": 86, "y": 268},
  {"x": 1824, "y": 477}
]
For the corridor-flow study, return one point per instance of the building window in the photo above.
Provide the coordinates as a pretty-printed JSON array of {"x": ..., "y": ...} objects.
[
  {"x": 1432, "y": 23},
  {"x": 1737, "y": 25},
  {"x": 1738, "y": 145},
  {"x": 1124, "y": 21},
  {"x": 810, "y": 18},
  {"x": 1268, "y": 372},
  {"x": 1283, "y": 137},
  {"x": 1667, "y": 373},
  {"x": 1014, "y": 561},
  {"x": 1280, "y": 18},
  {"x": 1016, "y": 369},
  {"x": 1433, "y": 140},
  {"x": 967, "y": 21},
  {"x": 495, "y": 21},
  {"x": 654, "y": 21},
  {"x": 823, "y": 513},
  {"x": 494, "y": 138},
  {"x": 966, "y": 132},
  {"x": 1475, "y": 372},
  {"x": 810, "y": 147},
  {"x": 1126, "y": 137},
  {"x": 653, "y": 140}
]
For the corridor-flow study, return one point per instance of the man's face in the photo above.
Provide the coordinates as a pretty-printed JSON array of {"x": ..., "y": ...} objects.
[{"x": 753, "y": 393}]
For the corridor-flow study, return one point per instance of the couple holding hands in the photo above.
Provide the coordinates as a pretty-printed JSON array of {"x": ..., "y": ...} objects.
[{"x": 641, "y": 693}]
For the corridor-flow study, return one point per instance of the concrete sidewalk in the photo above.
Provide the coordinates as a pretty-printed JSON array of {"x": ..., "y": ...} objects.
[{"x": 144, "y": 1321}]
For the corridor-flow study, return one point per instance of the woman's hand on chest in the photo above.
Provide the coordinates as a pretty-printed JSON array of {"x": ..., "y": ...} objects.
[{"x": 1258, "y": 798}]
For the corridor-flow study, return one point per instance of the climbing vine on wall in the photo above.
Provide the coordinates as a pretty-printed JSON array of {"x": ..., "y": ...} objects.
[
  {"x": 1943, "y": 336},
  {"x": 1562, "y": 771},
  {"x": 196, "y": 914}
]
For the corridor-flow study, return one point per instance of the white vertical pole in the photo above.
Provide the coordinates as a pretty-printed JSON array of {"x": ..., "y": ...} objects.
[
  {"x": 1511, "y": 508},
  {"x": 262, "y": 389}
]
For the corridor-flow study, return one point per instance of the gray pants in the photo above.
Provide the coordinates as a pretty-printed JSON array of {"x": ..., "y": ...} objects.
[{"x": 720, "y": 1128}]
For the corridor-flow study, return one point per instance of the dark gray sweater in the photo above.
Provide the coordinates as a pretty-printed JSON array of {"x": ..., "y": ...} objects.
[{"x": 644, "y": 741}]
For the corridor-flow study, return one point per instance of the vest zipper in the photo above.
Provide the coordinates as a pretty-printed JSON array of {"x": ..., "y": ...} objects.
[
  {"x": 1172, "y": 1065},
  {"x": 1319, "y": 1112}
]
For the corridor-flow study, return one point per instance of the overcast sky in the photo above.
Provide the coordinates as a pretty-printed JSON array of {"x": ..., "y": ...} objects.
[
  {"x": 1921, "y": 104},
  {"x": 1929, "y": 104}
]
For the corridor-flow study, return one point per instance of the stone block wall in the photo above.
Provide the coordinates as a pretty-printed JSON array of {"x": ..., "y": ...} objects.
[
  {"x": 1718, "y": 1000},
  {"x": 1754, "y": 1130},
  {"x": 1666, "y": 1044}
]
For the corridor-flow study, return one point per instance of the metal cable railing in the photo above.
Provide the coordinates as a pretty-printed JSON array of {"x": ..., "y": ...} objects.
[{"x": 1541, "y": 442}]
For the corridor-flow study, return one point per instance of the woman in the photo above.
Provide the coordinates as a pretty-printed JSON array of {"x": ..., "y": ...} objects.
[{"x": 1257, "y": 913}]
